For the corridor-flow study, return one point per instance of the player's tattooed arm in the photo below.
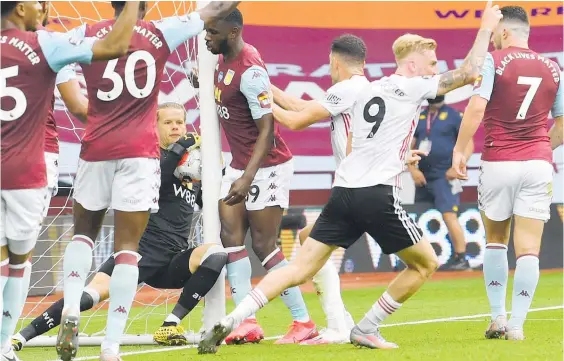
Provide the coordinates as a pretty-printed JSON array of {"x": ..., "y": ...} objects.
[
  {"x": 217, "y": 10},
  {"x": 116, "y": 43},
  {"x": 287, "y": 101},
  {"x": 472, "y": 65}
]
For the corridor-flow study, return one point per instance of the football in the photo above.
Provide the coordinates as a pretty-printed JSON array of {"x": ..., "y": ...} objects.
[{"x": 189, "y": 167}]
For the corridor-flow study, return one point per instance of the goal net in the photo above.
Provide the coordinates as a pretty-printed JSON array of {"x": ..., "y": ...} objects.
[{"x": 151, "y": 305}]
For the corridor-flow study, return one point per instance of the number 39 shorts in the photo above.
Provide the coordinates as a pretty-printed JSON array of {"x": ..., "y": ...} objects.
[{"x": 271, "y": 186}]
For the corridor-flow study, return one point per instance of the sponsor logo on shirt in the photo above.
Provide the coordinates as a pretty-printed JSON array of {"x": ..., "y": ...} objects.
[
  {"x": 333, "y": 99},
  {"x": 219, "y": 76},
  {"x": 264, "y": 100}
]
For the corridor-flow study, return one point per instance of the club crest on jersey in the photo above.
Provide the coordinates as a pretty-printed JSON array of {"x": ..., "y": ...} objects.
[
  {"x": 229, "y": 77},
  {"x": 219, "y": 77},
  {"x": 478, "y": 82},
  {"x": 443, "y": 115}
]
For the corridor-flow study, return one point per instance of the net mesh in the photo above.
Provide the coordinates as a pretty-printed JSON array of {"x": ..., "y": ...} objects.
[{"x": 150, "y": 305}]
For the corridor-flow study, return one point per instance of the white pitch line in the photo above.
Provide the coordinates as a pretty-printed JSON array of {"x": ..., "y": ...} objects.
[{"x": 420, "y": 322}]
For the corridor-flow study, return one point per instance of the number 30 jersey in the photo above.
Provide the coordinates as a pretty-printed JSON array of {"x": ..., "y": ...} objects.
[
  {"x": 384, "y": 119},
  {"x": 123, "y": 93}
]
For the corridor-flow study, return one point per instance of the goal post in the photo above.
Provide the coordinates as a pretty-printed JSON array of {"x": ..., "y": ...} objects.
[
  {"x": 214, "y": 308},
  {"x": 151, "y": 306}
]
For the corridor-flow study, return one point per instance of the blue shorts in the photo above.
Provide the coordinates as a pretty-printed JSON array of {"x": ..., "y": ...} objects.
[{"x": 438, "y": 192}]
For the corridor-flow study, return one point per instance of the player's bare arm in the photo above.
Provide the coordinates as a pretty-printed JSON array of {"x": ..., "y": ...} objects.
[
  {"x": 240, "y": 188},
  {"x": 556, "y": 136},
  {"x": 464, "y": 146},
  {"x": 116, "y": 43},
  {"x": 217, "y": 10},
  {"x": 288, "y": 101},
  {"x": 299, "y": 120},
  {"x": 74, "y": 100},
  {"x": 349, "y": 143},
  {"x": 472, "y": 65}
]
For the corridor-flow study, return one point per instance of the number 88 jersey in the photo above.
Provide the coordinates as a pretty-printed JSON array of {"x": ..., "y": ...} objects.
[{"x": 384, "y": 119}]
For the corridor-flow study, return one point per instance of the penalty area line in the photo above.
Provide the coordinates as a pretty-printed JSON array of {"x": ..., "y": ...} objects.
[{"x": 420, "y": 322}]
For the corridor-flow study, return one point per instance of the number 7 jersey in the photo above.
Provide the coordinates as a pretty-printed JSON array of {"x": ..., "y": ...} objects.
[
  {"x": 384, "y": 119},
  {"x": 123, "y": 93},
  {"x": 521, "y": 87}
]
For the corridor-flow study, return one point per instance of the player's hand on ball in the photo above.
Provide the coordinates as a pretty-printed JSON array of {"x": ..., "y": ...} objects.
[
  {"x": 491, "y": 16},
  {"x": 459, "y": 165},
  {"x": 238, "y": 191},
  {"x": 190, "y": 141}
]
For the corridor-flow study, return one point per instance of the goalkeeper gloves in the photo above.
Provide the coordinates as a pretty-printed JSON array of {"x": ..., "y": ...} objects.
[{"x": 188, "y": 142}]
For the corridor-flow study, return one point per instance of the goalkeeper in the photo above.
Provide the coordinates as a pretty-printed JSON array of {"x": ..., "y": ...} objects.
[{"x": 168, "y": 261}]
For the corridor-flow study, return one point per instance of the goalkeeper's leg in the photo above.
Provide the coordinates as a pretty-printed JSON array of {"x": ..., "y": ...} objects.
[
  {"x": 96, "y": 292},
  {"x": 203, "y": 266}
]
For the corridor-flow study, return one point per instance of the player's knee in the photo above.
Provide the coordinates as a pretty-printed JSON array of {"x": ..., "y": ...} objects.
[
  {"x": 231, "y": 238},
  {"x": 20, "y": 250},
  {"x": 263, "y": 248},
  {"x": 213, "y": 257}
]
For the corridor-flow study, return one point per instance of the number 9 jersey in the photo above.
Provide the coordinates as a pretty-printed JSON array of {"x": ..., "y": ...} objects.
[{"x": 384, "y": 119}]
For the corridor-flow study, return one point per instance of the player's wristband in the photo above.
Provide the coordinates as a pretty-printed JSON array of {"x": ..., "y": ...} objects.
[{"x": 177, "y": 149}]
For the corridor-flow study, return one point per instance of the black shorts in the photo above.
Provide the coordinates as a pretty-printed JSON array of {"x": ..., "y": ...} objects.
[
  {"x": 375, "y": 210},
  {"x": 158, "y": 274}
]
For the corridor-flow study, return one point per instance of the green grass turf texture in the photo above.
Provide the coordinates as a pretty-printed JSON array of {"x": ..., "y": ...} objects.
[{"x": 458, "y": 340}]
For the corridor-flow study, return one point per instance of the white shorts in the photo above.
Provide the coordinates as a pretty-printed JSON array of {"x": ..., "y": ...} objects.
[
  {"x": 52, "y": 163},
  {"x": 271, "y": 186},
  {"x": 21, "y": 212},
  {"x": 128, "y": 185},
  {"x": 522, "y": 188}
]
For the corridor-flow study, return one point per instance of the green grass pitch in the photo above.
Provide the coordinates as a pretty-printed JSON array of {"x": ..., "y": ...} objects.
[{"x": 460, "y": 340}]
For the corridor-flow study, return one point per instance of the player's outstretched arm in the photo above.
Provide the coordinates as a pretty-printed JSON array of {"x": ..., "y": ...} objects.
[
  {"x": 61, "y": 49},
  {"x": 287, "y": 101},
  {"x": 217, "y": 10},
  {"x": 299, "y": 120},
  {"x": 472, "y": 65},
  {"x": 116, "y": 43}
]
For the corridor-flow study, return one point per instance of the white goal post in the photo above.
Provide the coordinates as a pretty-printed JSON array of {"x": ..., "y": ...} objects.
[{"x": 154, "y": 305}]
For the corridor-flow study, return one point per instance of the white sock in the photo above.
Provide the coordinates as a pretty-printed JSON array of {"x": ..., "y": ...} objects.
[
  {"x": 525, "y": 283},
  {"x": 26, "y": 280},
  {"x": 328, "y": 286},
  {"x": 252, "y": 302},
  {"x": 76, "y": 266},
  {"x": 496, "y": 271},
  {"x": 172, "y": 318},
  {"x": 123, "y": 286},
  {"x": 384, "y": 307},
  {"x": 13, "y": 303},
  {"x": 4, "y": 272}
]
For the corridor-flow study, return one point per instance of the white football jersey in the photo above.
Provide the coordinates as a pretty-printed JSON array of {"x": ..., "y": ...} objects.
[
  {"x": 385, "y": 116},
  {"x": 339, "y": 102}
]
